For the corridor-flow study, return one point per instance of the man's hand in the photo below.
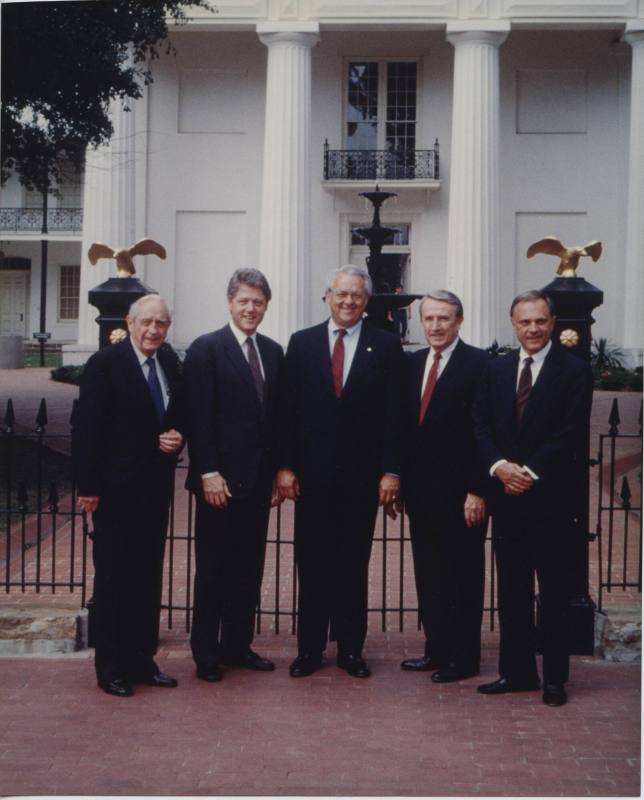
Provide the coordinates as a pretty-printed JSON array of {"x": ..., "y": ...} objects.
[
  {"x": 515, "y": 479},
  {"x": 288, "y": 485},
  {"x": 276, "y": 497},
  {"x": 474, "y": 510},
  {"x": 170, "y": 441},
  {"x": 88, "y": 504},
  {"x": 388, "y": 490},
  {"x": 216, "y": 491}
]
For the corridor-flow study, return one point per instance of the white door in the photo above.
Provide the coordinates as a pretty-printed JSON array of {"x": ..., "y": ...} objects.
[{"x": 13, "y": 302}]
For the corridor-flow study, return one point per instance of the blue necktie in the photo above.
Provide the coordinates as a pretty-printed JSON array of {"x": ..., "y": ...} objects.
[{"x": 155, "y": 389}]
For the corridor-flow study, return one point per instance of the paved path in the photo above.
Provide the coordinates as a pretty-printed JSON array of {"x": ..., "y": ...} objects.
[{"x": 268, "y": 734}]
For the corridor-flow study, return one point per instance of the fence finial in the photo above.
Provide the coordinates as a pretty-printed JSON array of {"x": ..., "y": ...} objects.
[
  {"x": 613, "y": 419},
  {"x": 41, "y": 417}
]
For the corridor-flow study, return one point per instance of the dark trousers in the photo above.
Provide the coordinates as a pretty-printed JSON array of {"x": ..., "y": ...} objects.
[
  {"x": 449, "y": 565},
  {"x": 128, "y": 549},
  {"x": 333, "y": 539},
  {"x": 230, "y": 546},
  {"x": 525, "y": 548}
]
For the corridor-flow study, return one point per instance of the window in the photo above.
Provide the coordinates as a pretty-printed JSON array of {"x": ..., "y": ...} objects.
[
  {"x": 401, "y": 237},
  {"x": 68, "y": 292},
  {"x": 398, "y": 246},
  {"x": 381, "y": 106}
]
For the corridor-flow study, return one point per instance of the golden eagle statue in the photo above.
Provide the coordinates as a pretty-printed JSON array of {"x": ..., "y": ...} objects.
[
  {"x": 569, "y": 255},
  {"x": 124, "y": 255}
]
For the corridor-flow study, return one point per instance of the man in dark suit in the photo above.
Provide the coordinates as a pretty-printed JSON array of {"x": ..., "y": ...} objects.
[
  {"x": 443, "y": 487},
  {"x": 340, "y": 458},
  {"x": 125, "y": 447},
  {"x": 231, "y": 380},
  {"x": 530, "y": 416}
]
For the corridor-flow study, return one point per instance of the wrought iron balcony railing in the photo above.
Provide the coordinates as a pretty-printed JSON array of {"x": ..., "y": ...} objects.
[
  {"x": 360, "y": 165},
  {"x": 29, "y": 220}
]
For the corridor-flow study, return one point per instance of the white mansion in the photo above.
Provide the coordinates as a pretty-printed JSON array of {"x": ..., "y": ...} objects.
[{"x": 496, "y": 122}]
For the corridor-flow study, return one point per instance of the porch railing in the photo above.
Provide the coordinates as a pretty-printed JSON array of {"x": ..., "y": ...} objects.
[
  {"x": 359, "y": 165},
  {"x": 29, "y": 220}
]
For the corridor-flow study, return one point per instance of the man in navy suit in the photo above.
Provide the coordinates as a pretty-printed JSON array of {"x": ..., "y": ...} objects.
[
  {"x": 231, "y": 380},
  {"x": 340, "y": 458},
  {"x": 443, "y": 487},
  {"x": 530, "y": 417},
  {"x": 125, "y": 447}
]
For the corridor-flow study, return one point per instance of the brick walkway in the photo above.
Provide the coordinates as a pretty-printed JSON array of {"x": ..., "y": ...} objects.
[{"x": 267, "y": 734}]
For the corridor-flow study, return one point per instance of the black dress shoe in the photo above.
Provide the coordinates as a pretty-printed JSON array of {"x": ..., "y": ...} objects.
[
  {"x": 424, "y": 664},
  {"x": 304, "y": 665},
  {"x": 159, "y": 679},
  {"x": 452, "y": 674},
  {"x": 354, "y": 665},
  {"x": 119, "y": 687},
  {"x": 250, "y": 660},
  {"x": 503, "y": 686},
  {"x": 211, "y": 673},
  {"x": 554, "y": 694}
]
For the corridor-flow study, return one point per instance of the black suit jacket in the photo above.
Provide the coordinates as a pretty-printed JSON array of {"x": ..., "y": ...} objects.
[
  {"x": 550, "y": 438},
  {"x": 441, "y": 461},
  {"x": 228, "y": 429},
  {"x": 116, "y": 428},
  {"x": 349, "y": 441}
]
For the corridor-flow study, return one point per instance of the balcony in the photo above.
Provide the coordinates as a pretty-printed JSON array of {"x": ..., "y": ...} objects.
[
  {"x": 393, "y": 169},
  {"x": 29, "y": 220}
]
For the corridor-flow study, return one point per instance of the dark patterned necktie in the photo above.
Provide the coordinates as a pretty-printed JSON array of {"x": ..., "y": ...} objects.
[
  {"x": 428, "y": 391},
  {"x": 255, "y": 369},
  {"x": 155, "y": 389},
  {"x": 524, "y": 388},
  {"x": 337, "y": 361}
]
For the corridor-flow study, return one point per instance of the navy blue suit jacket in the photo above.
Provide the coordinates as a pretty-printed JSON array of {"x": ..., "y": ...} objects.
[
  {"x": 227, "y": 428},
  {"x": 441, "y": 460},
  {"x": 116, "y": 428},
  {"x": 351, "y": 441},
  {"x": 550, "y": 438}
]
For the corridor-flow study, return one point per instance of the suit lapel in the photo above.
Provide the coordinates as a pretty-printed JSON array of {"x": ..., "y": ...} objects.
[
  {"x": 508, "y": 387},
  {"x": 418, "y": 370},
  {"x": 361, "y": 357},
  {"x": 238, "y": 360},
  {"x": 135, "y": 377},
  {"x": 545, "y": 379}
]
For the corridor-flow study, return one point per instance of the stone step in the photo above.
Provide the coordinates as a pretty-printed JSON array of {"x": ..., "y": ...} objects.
[{"x": 37, "y": 630}]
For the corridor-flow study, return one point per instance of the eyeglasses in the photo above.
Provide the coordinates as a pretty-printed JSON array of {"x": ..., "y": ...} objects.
[{"x": 355, "y": 297}]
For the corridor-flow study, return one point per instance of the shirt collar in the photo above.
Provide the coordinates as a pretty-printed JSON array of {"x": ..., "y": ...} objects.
[
  {"x": 536, "y": 357},
  {"x": 350, "y": 331},
  {"x": 240, "y": 335},
  {"x": 141, "y": 356}
]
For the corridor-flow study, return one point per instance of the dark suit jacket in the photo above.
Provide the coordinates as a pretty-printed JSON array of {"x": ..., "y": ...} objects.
[
  {"x": 441, "y": 461},
  {"x": 116, "y": 429},
  {"x": 350, "y": 441},
  {"x": 549, "y": 440},
  {"x": 228, "y": 430}
]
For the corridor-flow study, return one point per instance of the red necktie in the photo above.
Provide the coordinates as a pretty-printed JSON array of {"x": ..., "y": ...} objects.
[
  {"x": 337, "y": 361},
  {"x": 429, "y": 388},
  {"x": 525, "y": 387}
]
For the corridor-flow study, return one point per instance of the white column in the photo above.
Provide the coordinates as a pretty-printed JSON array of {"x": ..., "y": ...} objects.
[
  {"x": 634, "y": 251},
  {"x": 285, "y": 226},
  {"x": 473, "y": 230},
  {"x": 108, "y": 216}
]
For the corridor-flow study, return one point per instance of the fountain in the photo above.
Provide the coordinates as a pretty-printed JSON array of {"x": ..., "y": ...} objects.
[{"x": 385, "y": 269}]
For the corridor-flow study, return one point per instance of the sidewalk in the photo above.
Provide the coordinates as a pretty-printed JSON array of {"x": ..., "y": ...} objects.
[{"x": 329, "y": 734}]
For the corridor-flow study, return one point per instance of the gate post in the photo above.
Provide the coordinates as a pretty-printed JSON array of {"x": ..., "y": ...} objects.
[{"x": 575, "y": 299}]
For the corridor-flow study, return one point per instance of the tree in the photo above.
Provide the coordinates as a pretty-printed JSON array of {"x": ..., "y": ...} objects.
[{"x": 62, "y": 64}]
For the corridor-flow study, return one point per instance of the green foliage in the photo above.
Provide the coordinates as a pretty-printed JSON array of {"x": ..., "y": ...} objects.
[
  {"x": 62, "y": 64},
  {"x": 604, "y": 356},
  {"x": 68, "y": 374},
  {"x": 620, "y": 379}
]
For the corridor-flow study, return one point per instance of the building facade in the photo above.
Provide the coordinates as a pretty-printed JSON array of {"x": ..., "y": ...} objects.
[{"x": 496, "y": 122}]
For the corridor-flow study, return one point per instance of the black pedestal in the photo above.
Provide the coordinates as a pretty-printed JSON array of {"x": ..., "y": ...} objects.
[{"x": 113, "y": 300}]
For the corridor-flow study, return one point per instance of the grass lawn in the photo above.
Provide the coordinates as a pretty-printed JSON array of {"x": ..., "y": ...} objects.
[{"x": 32, "y": 359}]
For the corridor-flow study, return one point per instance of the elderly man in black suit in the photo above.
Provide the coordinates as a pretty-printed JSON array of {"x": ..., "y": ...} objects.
[
  {"x": 125, "y": 447},
  {"x": 530, "y": 416},
  {"x": 443, "y": 487},
  {"x": 340, "y": 457},
  {"x": 231, "y": 379}
]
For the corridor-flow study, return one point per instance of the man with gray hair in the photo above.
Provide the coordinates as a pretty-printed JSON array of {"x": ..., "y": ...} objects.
[
  {"x": 340, "y": 458},
  {"x": 442, "y": 489},
  {"x": 231, "y": 379},
  {"x": 125, "y": 445}
]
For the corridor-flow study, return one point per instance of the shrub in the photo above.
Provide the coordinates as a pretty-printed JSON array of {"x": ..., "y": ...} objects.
[{"x": 67, "y": 374}]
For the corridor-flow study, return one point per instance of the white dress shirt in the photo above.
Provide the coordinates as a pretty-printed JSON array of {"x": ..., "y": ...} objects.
[
  {"x": 350, "y": 344},
  {"x": 445, "y": 357},
  {"x": 163, "y": 381}
]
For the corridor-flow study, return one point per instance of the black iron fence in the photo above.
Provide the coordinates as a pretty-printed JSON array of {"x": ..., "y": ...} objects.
[
  {"x": 61, "y": 220},
  {"x": 357, "y": 165},
  {"x": 619, "y": 508},
  {"x": 44, "y": 538}
]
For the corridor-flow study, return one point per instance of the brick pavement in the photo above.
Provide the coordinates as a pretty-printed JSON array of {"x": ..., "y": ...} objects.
[{"x": 255, "y": 734}]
